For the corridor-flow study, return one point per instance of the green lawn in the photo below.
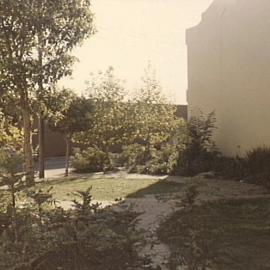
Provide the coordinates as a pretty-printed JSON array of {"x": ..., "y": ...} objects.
[
  {"x": 102, "y": 189},
  {"x": 233, "y": 235}
]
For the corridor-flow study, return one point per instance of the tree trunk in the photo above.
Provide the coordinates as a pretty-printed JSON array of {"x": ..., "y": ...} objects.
[
  {"x": 67, "y": 155},
  {"x": 41, "y": 143},
  {"x": 41, "y": 134},
  {"x": 28, "y": 153}
]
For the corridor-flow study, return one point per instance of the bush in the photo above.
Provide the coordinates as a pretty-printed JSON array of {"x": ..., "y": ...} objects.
[
  {"x": 137, "y": 159},
  {"x": 133, "y": 155},
  {"x": 229, "y": 167},
  {"x": 199, "y": 151},
  {"x": 162, "y": 161},
  {"x": 71, "y": 240},
  {"x": 254, "y": 167},
  {"x": 11, "y": 161},
  {"x": 90, "y": 160},
  {"x": 258, "y": 160}
]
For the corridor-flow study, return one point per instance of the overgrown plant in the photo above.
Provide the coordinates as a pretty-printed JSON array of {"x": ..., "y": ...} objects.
[{"x": 199, "y": 148}]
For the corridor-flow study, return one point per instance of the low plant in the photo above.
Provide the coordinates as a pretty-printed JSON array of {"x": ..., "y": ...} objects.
[
  {"x": 90, "y": 160},
  {"x": 258, "y": 160},
  {"x": 12, "y": 178},
  {"x": 85, "y": 206},
  {"x": 76, "y": 239}
]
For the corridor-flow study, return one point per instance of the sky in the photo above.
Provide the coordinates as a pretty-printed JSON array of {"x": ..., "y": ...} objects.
[{"x": 132, "y": 33}]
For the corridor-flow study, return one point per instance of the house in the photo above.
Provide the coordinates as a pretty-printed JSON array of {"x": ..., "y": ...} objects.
[{"x": 229, "y": 72}]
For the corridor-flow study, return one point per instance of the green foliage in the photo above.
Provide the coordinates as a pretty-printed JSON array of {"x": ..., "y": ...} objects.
[
  {"x": 11, "y": 177},
  {"x": 230, "y": 167},
  {"x": 90, "y": 160},
  {"x": 73, "y": 240},
  {"x": 223, "y": 234},
  {"x": 133, "y": 155},
  {"x": 36, "y": 38},
  {"x": 41, "y": 197},
  {"x": 140, "y": 128},
  {"x": 253, "y": 167},
  {"x": 85, "y": 206},
  {"x": 11, "y": 174},
  {"x": 109, "y": 125},
  {"x": 155, "y": 121},
  {"x": 10, "y": 134},
  {"x": 69, "y": 113},
  {"x": 258, "y": 161},
  {"x": 191, "y": 193},
  {"x": 137, "y": 158},
  {"x": 162, "y": 161},
  {"x": 199, "y": 150}
]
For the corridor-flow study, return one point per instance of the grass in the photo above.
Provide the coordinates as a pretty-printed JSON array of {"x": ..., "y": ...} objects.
[
  {"x": 233, "y": 235},
  {"x": 107, "y": 189}
]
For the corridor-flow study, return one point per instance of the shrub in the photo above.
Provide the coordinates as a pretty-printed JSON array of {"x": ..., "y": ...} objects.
[
  {"x": 10, "y": 161},
  {"x": 256, "y": 166},
  {"x": 258, "y": 160},
  {"x": 162, "y": 161},
  {"x": 230, "y": 167},
  {"x": 71, "y": 240},
  {"x": 199, "y": 151},
  {"x": 136, "y": 158},
  {"x": 90, "y": 160},
  {"x": 133, "y": 155}
]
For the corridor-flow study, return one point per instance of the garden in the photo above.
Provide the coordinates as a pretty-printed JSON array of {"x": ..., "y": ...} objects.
[{"x": 142, "y": 187}]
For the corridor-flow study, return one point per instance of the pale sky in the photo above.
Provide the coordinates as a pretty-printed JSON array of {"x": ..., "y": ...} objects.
[{"x": 133, "y": 32}]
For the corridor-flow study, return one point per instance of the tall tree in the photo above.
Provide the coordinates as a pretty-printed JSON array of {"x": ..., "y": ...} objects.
[
  {"x": 69, "y": 114},
  {"x": 108, "y": 128},
  {"x": 61, "y": 26},
  {"x": 154, "y": 116},
  {"x": 36, "y": 37},
  {"x": 17, "y": 39}
]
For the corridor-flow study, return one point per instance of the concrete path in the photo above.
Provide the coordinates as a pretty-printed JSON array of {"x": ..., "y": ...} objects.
[{"x": 152, "y": 212}]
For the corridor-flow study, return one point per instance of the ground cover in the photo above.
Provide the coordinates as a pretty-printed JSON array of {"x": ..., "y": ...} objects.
[{"x": 230, "y": 234}]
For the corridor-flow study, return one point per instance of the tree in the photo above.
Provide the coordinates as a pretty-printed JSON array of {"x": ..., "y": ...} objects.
[
  {"x": 154, "y": 116},
  {"x": 17, "y": 39},
  {"x": 61, "y": 26},
  {"x": 69, "y": 114},
  {"x": 36, "y": 38},
  {"x": 109, "y": 127}
]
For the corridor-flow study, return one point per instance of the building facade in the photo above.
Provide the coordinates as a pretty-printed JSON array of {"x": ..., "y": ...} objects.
[{"x": 229, "y": 72}]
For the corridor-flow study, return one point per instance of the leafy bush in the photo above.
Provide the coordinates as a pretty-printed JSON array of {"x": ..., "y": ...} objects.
[
  {"x": 162, "y": 161},
  {"x": 256, "y": 166},
  {"x": 133, "y": 155},
  {"x": 199, "y": 150},
  {"x": 71, "y": 240},
  {"x": 258, "y": 160},
  {"x": 10, "y": 161},
  {"x": 90, "y": 160},
  {"x": 253, "y": 167},
  {"x": 138, "y": 159},
  {"x": 230, "y": 167}
]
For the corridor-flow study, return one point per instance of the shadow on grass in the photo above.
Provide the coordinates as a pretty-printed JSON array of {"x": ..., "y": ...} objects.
[
  {"x": 233, "y": 234},
  {"x": 162, "y": 187}
]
